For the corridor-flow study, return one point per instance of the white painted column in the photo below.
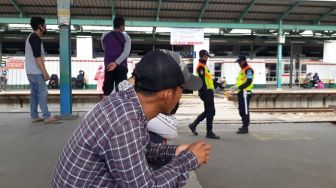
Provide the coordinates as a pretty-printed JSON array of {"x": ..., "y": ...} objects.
[
  {"x": 199, "y": 47},
  {"x": 84, "y": 47},
  {"x": 329, "y": 49}
]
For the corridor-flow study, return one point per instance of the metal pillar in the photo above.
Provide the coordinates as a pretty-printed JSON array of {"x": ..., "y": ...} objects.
[
  {"x": 0, "y": 47},
  {"x": 291, "y": 66},
  {"x": 63, "y": 8},
  {"x": 279, "y": 56}
]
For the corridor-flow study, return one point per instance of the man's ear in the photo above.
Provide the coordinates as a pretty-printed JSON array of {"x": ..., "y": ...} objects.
[{"x": 166, "y": 95}]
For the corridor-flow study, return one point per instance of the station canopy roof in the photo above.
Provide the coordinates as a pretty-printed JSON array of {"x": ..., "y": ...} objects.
[{"x": 244, "y": 14}]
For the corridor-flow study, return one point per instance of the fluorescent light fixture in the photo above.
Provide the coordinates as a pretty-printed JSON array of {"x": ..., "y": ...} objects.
[
  {"x": 297, "y": 42},
  {"x": 211, "y": 30},
  {"x": 163, "y": 29},
  {"x": 271, "y": 41},
  {"x": 140, "y": 29},
  {"x": 138, "y": 40},
  {"x": 13, "y": 37},
  {"x": 241, "y": 31}
]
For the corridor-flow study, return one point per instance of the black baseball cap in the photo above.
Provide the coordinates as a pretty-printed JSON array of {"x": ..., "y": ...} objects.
[
  {"x": 203, "y": 53},
  {"x": 163, "y": 69},
  {"x": 241, "y": 58}
]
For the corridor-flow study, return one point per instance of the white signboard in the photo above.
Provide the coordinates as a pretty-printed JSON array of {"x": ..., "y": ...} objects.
[{"x": 186, "y": 36}]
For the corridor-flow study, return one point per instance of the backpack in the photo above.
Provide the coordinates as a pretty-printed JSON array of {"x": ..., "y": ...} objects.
[
  {"x": 53, "y": 81},
  {"x": 80, "y": 80}
]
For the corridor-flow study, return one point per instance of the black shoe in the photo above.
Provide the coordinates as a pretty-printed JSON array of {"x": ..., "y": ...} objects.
[
  {"x": 212, "y": 135},
  {"x": 192, "y": 127},
  {"x": 242, "y": 131}
]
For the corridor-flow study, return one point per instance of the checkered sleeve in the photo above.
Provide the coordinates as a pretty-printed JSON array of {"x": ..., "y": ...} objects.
[
  {"x": 160, "y": 152},
  {"x": 125, "y": 154}
]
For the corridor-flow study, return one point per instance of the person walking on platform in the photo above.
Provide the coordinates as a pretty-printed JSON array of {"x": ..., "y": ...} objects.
[
  {"x": 117, "y": 47},
  {"x": 206, "y": 94},
  {"x": 244, "y": 86},
  {"x": 37, "y": 73}
]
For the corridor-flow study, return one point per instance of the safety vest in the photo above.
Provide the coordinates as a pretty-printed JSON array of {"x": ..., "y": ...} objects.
[
  {"x": 241, "y": 79},
  {"x": 208, "y": 76}
]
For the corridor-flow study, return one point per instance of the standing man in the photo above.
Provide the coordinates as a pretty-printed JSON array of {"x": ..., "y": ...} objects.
[
  {"x": 117, "y": 47},
  {"x": 206, "y": 94},
  {"x": 36, "y": 72},
  {"x": 244, "y": 85},
  {"x": 3, "y": 76},
  {"x": 111, "y": 146}
]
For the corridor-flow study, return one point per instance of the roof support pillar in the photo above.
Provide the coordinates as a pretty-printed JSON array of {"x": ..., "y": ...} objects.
[
  {"x": 0, "y": 47},
  {"x": 279, "y": 56},
  {"x": 64, "y": 19},
  {"x": 153, "y": 37}
]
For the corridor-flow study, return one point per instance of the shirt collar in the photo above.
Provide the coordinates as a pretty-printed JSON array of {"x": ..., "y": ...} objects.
[{"x": 131, "y": 94}]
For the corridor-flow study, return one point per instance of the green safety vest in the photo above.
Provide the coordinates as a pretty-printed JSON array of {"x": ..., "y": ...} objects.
[
  {"x": 241, "y": 79},
  {"x": 208, "y": 76}
]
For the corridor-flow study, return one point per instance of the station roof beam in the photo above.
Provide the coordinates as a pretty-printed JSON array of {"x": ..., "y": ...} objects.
[
  {"x": 290, "y": 9},
  {"x": 204, "y": 8},
  {"x": 318, "y": 21},
  {"x": 158, "y": 11},
  {"x": 18, "y": 8},
  {"x": 112, "y": 9},
  {"x": 245, "y": 11}
]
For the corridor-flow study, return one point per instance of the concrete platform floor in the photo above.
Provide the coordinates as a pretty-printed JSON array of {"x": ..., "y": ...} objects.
[{"x": 271, "y": 156}]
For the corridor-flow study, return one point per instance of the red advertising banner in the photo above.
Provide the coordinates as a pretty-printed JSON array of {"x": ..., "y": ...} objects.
[{"x": 13, "y": 63}]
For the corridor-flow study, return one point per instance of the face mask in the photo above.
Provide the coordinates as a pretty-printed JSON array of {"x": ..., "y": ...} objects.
[{"x": 45, "y": 30}]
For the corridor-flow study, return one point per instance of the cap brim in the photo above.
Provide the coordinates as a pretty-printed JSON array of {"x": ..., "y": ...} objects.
[{"x": 194, "y": 83}]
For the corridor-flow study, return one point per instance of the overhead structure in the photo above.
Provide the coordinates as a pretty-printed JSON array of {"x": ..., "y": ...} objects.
[
  {"x": 158, "y": 11},
  {"x": 204, "y": 8},
  {"x": 18, "y": 8},
  {"x": 112, "y": 10},
  {"x": 245, "y": 11},
  {"x": 332, "y": 10},
  {"x": 290, "y": 9},
  {"x": 292, "y": 12}
]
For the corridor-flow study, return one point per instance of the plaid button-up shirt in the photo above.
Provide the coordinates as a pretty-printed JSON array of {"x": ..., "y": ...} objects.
[{"x": 111, "y": 148}]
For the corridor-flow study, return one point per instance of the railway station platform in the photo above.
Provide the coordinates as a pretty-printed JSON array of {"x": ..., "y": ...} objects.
[{"x": 282, "y": 150}]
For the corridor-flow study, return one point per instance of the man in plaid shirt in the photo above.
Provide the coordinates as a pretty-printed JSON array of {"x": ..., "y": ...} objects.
[{"x": 111, "y": 146}]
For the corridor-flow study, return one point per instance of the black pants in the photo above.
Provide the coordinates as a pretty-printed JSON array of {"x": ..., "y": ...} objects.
[
  {"x": 113, "y": 78},
  {"x": 245, "y": 116},
  {"x": 209, "y": 109}
]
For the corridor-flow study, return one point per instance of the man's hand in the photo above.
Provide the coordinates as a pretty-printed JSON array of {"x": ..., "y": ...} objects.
[
  {"x": 181, "y": 148},
  {"x": 46, "y": 76},
  {"x": 234, "y": 88},
  {"x": 111, "y": 66},
  {"x": 201, "y": 150}
]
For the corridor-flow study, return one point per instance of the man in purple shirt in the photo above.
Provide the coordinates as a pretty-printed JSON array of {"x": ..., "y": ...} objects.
[
  {"x": 117, "y": 47},
  {"x": 111, "y": 147}
]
